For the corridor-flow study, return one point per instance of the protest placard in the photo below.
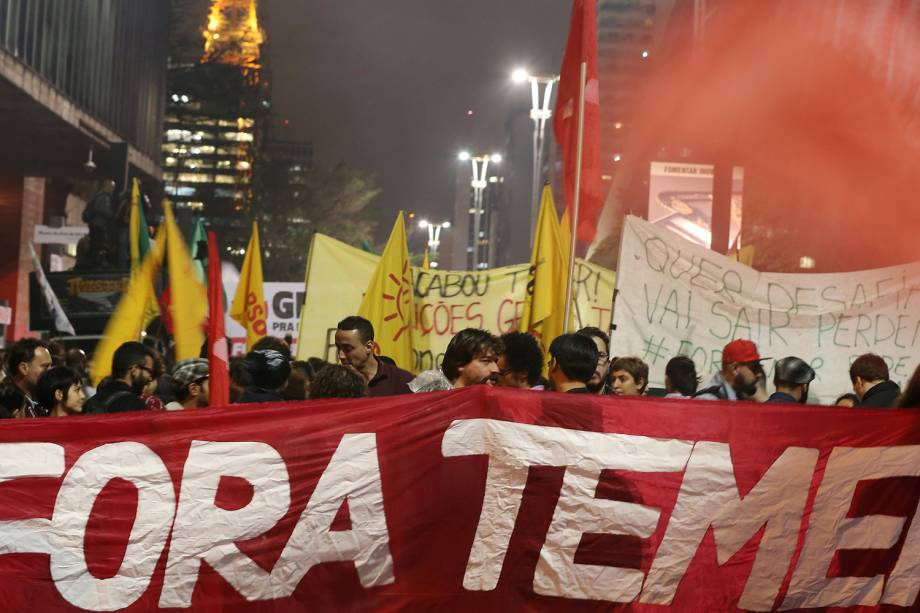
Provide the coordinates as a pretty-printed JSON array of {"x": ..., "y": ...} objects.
[{"x": 674, "y": 297}]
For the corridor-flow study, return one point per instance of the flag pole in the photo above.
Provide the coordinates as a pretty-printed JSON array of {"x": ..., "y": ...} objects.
[{"x": 578, "y": 149}]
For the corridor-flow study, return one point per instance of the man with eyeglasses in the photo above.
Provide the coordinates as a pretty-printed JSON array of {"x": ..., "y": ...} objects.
[
  {"x": 132, "y": 370},
  {"x": 740, "y": 376},
  {"x": 597, "y": 384}
]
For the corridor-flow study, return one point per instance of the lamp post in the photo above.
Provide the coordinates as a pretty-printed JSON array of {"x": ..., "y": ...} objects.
[
  {"x": 434, "y": 238},
  {"x": 540, "y": 113},
  {"x": 479, "y": 182}
]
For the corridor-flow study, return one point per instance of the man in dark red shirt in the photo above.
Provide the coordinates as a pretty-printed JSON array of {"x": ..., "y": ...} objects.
[{"x": 354, "y": 343}]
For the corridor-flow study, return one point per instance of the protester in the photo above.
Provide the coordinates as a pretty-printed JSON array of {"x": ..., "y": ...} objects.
[
  {"x": 75, "y": 359},
  {"x": 98, "y": 215},
  {"x": 869, "y": 375},
  {"x": 791, "y": 377},
  {"x": 680, "y": 380},
  {"x": 240, "y": 378},
  {"x": 573, "y": 363},
  {"x": 628, "y": 376},
  {"x": 26, "y": 361},
  {"x": 317, "y": 364},
  {"x": 471, "y": 358},
  {"x": 338, "y": 381},
  {"x": 58, "y": 352},
  {"x": 910, "y": 399},
  {"x": 598, "y": 382},
  {"x": 190, "y": 385},
  {"x": 12, "y": 401},
  {"x": 354, "y": 343},
  {"x": 521, "y": 362},
  {"x": 268, "y": 370},
  {"x": 274, "y": 343},
  {"x": 298, "y": 385},
  {"x": 132, "y": 369},
  {"x": 60, "y": 392},
  {"x": 847, "y": 400},
  {"x": 159, "y": 382},
  {"x": 740, "y": 375}
]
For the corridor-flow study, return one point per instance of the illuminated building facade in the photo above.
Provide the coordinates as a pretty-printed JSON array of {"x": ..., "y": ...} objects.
[{"x": 212, "y": 124}]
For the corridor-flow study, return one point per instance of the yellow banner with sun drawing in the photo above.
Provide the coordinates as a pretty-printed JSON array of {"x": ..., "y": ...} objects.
[{"x": 445, "y": 301}]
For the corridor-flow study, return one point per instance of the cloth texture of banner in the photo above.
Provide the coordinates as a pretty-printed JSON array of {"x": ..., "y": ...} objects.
[
  {"x": 674, "y": 297},
  {"x": 475, "y": 499},
  {"x": 445, "y": 301}
]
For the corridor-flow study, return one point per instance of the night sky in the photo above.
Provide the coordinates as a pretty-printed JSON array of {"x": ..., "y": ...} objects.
[{"x": 386, "y": 86}]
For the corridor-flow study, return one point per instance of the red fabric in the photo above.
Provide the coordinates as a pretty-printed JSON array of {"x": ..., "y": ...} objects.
[
  {"x": 218, "y": 365},
  {"x": 581, "y": 47},
  {"x": 432, "y": 500}
]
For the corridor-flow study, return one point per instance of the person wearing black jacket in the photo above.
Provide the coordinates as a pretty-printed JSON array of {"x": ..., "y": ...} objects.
[
  {"x": 132, "y": 370},
  {"x": 869, "y": 375}
]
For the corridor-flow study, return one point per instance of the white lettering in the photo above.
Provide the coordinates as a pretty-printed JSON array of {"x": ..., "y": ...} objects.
[
  {"x": 353, "y": 474},
  {"x": 19, "y": 460},
  {"x": 830, "y": 529},
  {"x": 204, "y": 531},
  {"x": 156, "y": 502},
  {"x": 709, "y": 497},
  {"x": 512, "y": 448}
]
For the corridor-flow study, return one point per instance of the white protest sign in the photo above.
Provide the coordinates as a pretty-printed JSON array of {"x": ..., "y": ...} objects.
[{"x": 674, "y": 297}]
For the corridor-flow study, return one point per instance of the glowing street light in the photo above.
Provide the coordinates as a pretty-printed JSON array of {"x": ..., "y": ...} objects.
[
  {"x": 479, "y": 183},
  {"x": 540, "y": 113},
  {"x": 434, "y": 238},
  {"x": 464, "y": 156}
]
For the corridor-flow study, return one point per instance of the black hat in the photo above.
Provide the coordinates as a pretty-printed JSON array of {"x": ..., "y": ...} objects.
[
  {"x": 793, "y": 370},
  {"x": 268, "y": 368}
]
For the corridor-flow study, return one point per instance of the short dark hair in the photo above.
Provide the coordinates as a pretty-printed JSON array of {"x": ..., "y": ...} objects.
[
  {"x": 11, "y": 399},
  {"x": 355, "y": 322},
  {"x": 869, "y": 367},
  {"x": 52, "y": 380},
  {"x": 576, "y": 355},
  {"x": 21, "y": 351},
  {"x": 523, "y": 354},
  {"x": 593, "y": 332},
  {"x": 337, "y": 381},
  {"x": 848, "y": 396},
  {"x": 274, "y": 343},
  {"x": 681, "y": 371},
  {"x": 634, "y": 366},
  {"x": 130, "y": 354},
  {"x": 910, "y": 399},
  {"x": 466, "y": 346}
]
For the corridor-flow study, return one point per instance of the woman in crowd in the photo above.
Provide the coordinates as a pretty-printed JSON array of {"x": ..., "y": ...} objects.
[{"x": 60, "y": 392}]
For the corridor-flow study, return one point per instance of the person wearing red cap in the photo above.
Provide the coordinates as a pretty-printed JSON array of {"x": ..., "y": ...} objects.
[{"x": 740, "y": 375}]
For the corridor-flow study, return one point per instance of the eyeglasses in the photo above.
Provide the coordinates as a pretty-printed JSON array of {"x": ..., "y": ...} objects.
[{"x": 602, "y": 357}]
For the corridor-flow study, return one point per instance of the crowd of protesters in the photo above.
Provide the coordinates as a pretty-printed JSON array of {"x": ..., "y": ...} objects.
[{"x": 45, "y": 379}]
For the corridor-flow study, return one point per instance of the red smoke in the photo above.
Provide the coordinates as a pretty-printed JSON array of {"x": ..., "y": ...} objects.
[{"x": 818, "y": 101}]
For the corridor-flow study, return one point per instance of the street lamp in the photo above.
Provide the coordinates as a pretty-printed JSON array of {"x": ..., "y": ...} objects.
[
  {"x": 540, "y": 113},
  {"x": 479, "y": 183},
  {"x": 434, "y": 238}
]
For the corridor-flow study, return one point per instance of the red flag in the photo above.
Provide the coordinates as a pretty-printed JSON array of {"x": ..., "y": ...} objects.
[
  {"x": 218, "y": 363},
  {"x": 581, "y": 47}
]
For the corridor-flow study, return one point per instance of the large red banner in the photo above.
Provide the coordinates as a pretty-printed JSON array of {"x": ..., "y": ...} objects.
[{"x": 476, "y": 499}]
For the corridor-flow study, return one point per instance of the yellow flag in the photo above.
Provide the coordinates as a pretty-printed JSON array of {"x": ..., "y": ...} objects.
[
  {"x": 544, "y": 306},
  {"x": 188, "y": 300},
  {"x": 388, "y": 301},
  {"x": 140, "y": 246},
  {"x": 426, "y": 263},
  {"x": 127, "y": 322},
  {"x": 249, "y": 307}
]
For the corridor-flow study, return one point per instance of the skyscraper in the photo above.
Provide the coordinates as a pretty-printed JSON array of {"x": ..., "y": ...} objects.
[{"x": 214, "y": 116}]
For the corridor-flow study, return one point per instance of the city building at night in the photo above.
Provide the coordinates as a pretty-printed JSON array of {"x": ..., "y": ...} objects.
[
  {"x": 82, "y": 91},
  {"x": 213, "y": 118}
]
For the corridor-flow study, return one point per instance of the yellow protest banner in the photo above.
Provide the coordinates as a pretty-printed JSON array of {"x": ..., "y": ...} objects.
[{"x": 446, "y": 301}]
